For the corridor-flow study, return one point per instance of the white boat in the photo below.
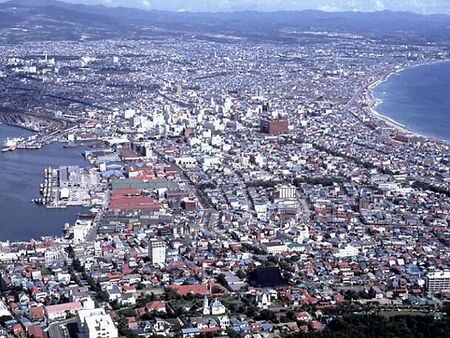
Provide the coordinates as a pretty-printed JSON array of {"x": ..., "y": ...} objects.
[{"x": 10, "y": 144}]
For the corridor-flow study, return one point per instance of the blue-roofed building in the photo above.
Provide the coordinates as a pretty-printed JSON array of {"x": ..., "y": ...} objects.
[
  {"x": 114, "y": 166},
  {"x": 112, "y": 173},
  {"x": 190, "y": 332},
  {"x": 266, "y": 326},
  {"x": 239, "y": 326}
]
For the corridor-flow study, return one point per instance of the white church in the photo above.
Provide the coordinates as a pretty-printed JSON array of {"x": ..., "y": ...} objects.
[{"x": 216, "y": 308}]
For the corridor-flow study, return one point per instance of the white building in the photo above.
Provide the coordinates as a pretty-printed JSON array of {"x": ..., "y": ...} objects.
[
  {"x": 216, "y": 308},
  {"x": 206, "y": 308},
  {"x": 98, "y": 249},
  {"x": 224, "y": 322},
  {"x": 129, "y": 113},
  {"x": 216, "y": 140},
  {"x": 51, "y": 256},
  {"x": 114, "y": 292},
  {"x": 157, "y": 251},
  {"x": 148, "y": 148},
  {"x": 274, "y": 248},
  {"x": 285, "y": 192},
  {"x": 301, "y": 234},
  {"x": 4, "y": 312},
  {"x": 209, "y": 162},
  {"x": 186, "y": 161},
  {"x": 261, "y": 210},
  {"x": 61, "y": 311},
  {"x": 348, "y": 251},
  {"x": 263, "y": 300},
  {"x": 95, "y": 323},
  {"x": 81, "y": 230},
  {"x": 438, "y": 281}
]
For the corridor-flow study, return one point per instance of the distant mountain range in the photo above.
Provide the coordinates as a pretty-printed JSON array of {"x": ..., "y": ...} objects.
[{"x": 51, "y": 19}]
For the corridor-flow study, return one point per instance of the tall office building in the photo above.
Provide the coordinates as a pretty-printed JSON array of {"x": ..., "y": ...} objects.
[{"x": 157, "y": 251}]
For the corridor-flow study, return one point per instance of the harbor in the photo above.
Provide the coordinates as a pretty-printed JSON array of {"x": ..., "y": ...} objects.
[
  {"x": 22, "y": 173},
  {"x": 42, "y": 131},
  {"x": 67, "y": 186},
  {"x": 31, "y": 143}
]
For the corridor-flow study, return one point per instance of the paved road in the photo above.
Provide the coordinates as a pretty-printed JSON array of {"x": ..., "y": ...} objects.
[
  {"x": 304, "y": 212},
  {"x": 92, "y": 235}
]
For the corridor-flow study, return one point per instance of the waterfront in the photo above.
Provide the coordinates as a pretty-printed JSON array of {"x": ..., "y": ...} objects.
[
  {"x": 417, "y": 98},
  {"x": 21, "y": 174}
]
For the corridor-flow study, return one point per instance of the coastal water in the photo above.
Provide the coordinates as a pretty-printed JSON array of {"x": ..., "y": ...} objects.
[
  {"x": 21, "y": 173},
  {"x": 419, "y": 99}
]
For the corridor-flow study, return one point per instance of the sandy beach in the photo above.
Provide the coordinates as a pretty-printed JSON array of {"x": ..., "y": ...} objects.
[{"x": 374, "y": 102}]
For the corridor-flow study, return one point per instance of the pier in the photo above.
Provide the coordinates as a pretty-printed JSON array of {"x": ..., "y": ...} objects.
[{"x": 66, "y": 186}]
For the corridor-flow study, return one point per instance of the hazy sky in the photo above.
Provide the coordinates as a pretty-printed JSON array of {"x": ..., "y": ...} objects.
[{"x": 420, "y": 6}]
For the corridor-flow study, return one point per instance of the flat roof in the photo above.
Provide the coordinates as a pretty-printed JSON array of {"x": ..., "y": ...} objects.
[{"x": 133, "y": 183}]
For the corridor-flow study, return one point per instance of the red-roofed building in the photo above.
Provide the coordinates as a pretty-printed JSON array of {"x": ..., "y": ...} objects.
[
  {"x": 207, "y": 330},
  {"x": 35, "y": 331},
  {"x": 303, "y": 316},
  {"x": 37, "y": 313},
  {"x": 129, "y": 155},
  {"x": 339, "y": 298},
  {"x": 126, "y": 269},
  {"x": 62, "y": 310},
  {"x": 183, "y": 290},
  {"x": 158, "y": 306},
  {"x": 303, "y": 328},
  {"x": 141, "y": 173},
  {"x": 17, "y": 330},
  {"x": 315, "y": 325},
  {"x": 132, "y": 199},
  {"x": 171, "y": 150},
  {"x": 140, "y": 311}
]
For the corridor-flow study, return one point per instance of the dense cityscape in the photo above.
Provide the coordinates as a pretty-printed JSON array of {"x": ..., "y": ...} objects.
[{"x": 232, "y": 188}]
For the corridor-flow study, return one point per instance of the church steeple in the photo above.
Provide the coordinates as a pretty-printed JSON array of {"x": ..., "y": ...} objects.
[{"x": 206, "y": 308}]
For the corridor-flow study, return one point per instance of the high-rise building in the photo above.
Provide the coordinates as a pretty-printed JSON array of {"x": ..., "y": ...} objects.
[
  {"x": 157, "y": 251},
  {"x": 438, "y": 281},
  {"x": 274, "y": 126}
]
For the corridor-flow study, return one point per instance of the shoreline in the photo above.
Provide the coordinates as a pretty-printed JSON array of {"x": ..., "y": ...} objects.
[
  {"x": 22, "y": 127},
  {"x": 374, "y": 102},
  {"x": 49, "y": 222}
]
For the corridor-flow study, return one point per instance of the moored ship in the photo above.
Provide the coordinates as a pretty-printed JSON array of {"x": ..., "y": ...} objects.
[{"x": 10, "y": 144}]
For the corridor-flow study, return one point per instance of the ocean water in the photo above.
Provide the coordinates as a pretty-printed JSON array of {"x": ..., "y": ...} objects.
[
  {"x": 419, "y": 99},
  {"x": 21, "y": 173}
]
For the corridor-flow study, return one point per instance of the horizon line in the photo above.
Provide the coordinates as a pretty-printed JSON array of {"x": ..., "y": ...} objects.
[{"x": 181, "y": 11}]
